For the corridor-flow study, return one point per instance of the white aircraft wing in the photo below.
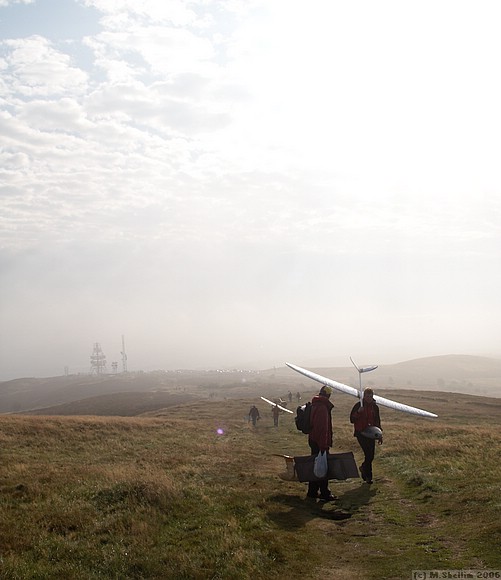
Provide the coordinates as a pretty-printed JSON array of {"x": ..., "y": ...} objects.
[
  {"x": 352, "y": 391},
  {"x": 277, "y": 405}
]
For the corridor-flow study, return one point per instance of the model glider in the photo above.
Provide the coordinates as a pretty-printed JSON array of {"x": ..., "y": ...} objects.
[
  {"x": 356, "y": 393},
  {"x": 277, "y": 405}
]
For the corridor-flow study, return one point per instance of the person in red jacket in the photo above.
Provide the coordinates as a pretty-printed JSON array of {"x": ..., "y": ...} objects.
[
  {"x": 320, "y": 438},
  {"x": 363, "y": 416}
]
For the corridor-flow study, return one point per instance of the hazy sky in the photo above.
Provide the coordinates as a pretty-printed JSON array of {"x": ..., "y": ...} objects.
[{"x": 248, "y": 182}]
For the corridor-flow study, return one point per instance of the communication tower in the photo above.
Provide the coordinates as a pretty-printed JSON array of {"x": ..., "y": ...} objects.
[
  {"x": 97, "y": 360},
  {"x": 124, "y": 355}
]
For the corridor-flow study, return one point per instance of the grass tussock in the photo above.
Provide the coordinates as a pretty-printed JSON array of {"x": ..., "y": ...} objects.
[{"x": 168, "y": 496}]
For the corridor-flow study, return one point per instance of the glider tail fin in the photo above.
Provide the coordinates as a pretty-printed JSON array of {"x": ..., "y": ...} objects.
[{"x": 360, "y": 392}]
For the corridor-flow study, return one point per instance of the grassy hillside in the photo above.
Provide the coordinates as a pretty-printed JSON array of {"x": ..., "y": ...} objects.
[
  {"x": 165, "y": 496},
  {"x": 117, "y": 404}
]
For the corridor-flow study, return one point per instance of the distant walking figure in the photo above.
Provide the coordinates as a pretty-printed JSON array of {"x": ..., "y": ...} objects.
[
  {"x": 298, "y": 396},
  {"x": 363, "y": 417},
  {"x": 275, "y": 411},
  {"x": 254, "y": 414}
]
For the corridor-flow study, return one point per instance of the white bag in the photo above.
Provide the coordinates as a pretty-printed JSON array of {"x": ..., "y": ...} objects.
[{"x": 320, "y": 466}]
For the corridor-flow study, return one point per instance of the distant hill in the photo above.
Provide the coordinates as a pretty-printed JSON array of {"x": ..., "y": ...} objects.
[
  {"x": 29, "y": 394},
  {"x": 124, "y": 394},
  {"x": 457, "y": 373},
  {"x": 451, "y": 373},
  {"x": 32, "y": 393}
]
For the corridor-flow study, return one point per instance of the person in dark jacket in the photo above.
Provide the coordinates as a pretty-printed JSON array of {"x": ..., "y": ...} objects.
[
  {"x": 320, "y": 439},
  {"x": 254, "y": 415},
  {"x": 276, "y": 412},
  {"x": 363, "y": 416}
]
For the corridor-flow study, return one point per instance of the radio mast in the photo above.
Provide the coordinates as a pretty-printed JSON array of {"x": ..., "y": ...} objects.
[
  {"x": 97, "y": 360},
  {"x": 124, "y": 355}
]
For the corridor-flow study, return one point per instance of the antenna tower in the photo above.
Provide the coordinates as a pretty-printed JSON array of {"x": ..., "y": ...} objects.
[
  {"x": 97, "y": 360},
  {"x": 124, "y": 355}
]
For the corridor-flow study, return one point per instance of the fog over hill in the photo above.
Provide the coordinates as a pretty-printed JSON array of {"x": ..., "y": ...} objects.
[{"x": 450, "y": 373}]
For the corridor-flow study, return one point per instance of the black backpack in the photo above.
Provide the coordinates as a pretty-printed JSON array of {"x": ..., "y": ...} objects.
[{"x": 302, "y": 418}]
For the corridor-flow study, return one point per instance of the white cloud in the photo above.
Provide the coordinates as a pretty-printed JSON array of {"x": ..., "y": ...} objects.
[
  {"x": 124, "y": 11},
  {"x": 64, "y": 114},
  {"x": 5, "y": 3},
  {"x": 37, "y": 69}
]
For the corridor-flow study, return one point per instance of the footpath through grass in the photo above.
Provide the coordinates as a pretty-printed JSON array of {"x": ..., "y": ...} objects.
[{"x": 167, "y": 496}]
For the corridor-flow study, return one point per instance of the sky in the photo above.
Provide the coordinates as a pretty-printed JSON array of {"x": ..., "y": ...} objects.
[{"x": 241, "y": 183}]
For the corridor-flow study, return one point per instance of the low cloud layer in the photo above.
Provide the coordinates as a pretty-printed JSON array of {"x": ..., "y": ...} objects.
[{"x": 228, "y": 186}]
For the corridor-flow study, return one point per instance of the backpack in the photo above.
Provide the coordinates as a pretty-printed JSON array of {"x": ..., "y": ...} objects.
[{"x": 302, "y": 418}]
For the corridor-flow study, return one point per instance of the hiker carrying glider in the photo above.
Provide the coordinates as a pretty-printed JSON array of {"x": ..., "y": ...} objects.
[
  {"x": 276, "y": 412},
  {"x": 367, "y": 428},
  {"x": 373, "y": 430},
  {"x": 320, "y": 439},
  {"x": 276, "y": 409}
]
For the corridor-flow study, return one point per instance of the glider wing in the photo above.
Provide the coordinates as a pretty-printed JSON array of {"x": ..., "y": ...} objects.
[
  {"x": 277, "y": 405},
  {"x": 355, "y": 393}
]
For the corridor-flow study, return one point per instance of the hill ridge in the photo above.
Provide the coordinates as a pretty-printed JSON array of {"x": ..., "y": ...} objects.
[{"x": 451, "y": 373}]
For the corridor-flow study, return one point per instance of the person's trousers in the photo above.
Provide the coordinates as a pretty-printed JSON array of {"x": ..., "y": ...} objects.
[
  {"x": 368, "y": 447},
  {"x": 322, "y": 486}
]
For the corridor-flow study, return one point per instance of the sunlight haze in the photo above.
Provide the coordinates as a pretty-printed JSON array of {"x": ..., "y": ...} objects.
[{"x": 245, "y": 183}]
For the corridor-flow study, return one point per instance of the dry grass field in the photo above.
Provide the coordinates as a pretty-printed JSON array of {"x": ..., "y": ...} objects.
[{"x": 163, "y": 495}]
